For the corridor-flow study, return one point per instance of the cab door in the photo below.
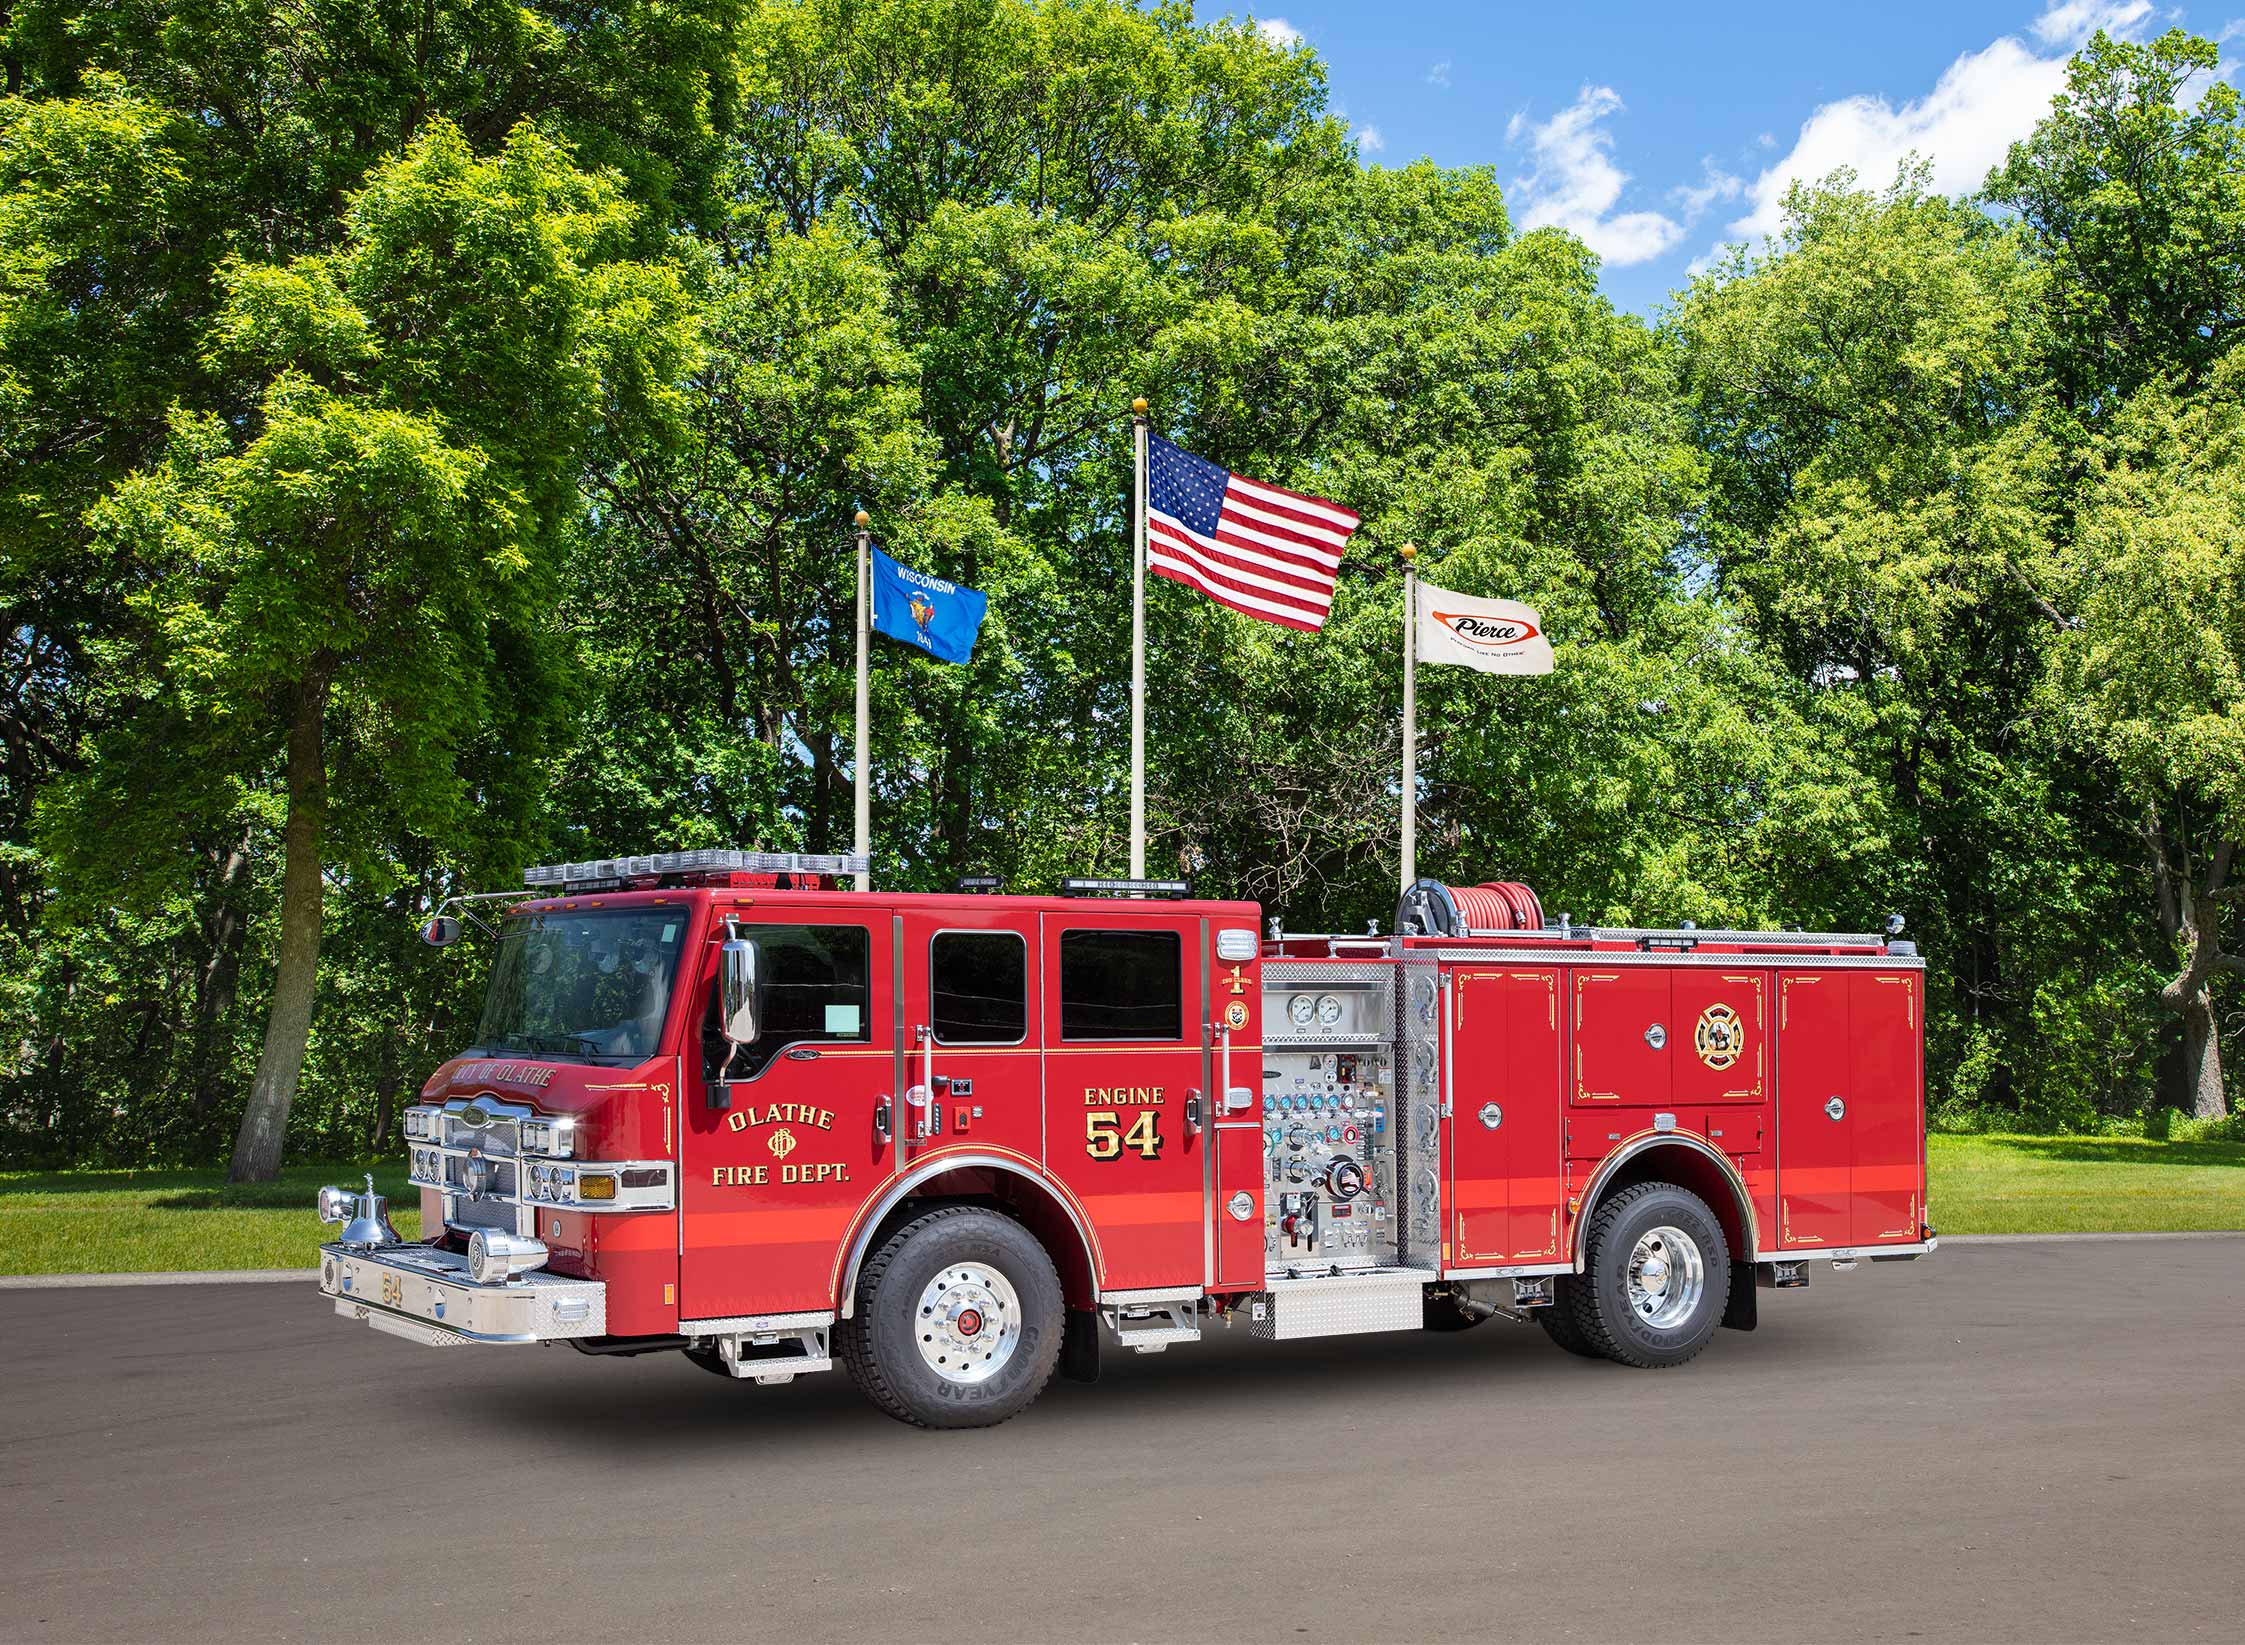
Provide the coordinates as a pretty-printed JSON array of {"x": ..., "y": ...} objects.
[
  {"x": 1126, "y": 1115},
  {"x": 974, "y": 1049},
  {"x": 782, "y": 1142}
]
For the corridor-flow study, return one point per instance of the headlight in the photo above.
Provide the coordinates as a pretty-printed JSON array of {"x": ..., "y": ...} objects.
[
  {"x": 420, "y": 1124},
  {"x": 550, "y": 1136}
]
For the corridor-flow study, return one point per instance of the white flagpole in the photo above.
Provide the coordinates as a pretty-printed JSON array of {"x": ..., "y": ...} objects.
[
  {"x": 1410, "y": 716},
  {"x": 864, "y": 786},
  {"x": 1138, "y": 652}
]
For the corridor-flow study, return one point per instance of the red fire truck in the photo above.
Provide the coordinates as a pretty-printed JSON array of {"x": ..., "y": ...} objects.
[{"x": 721, "y": 1106}]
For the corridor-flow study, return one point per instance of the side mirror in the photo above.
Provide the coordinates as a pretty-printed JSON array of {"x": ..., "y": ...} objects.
[
  {"x": 740, "y": 1010},
  {"x": 441, "y": 932},
  {"x": 740, "y": 991}
]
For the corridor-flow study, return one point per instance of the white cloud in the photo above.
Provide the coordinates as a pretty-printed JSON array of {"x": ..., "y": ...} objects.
[
  {"x": 1714, "y": 184},
  {"x": 1279, "y": 32},
  {"x": 1575, "y": 185},
  {"x": 1370, "y": 140},
  {"x": 1984, "y": 102},
  {"x": 2070, "y": 22},
  {"x": 1439, "y": 75}
]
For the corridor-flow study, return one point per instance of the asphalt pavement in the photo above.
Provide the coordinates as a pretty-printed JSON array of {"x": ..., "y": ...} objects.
[{"x": 2034, "y": 1442}]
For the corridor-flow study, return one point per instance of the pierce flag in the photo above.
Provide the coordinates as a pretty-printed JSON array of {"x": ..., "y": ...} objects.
[
  {"x": 941, "y": 618},
  {"x": 1494, "y": 636}
]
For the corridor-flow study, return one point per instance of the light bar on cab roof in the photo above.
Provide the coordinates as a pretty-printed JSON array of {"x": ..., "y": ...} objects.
[
  {"x": 1091, "y": 887},
  {"x": 712, "y": 861}
]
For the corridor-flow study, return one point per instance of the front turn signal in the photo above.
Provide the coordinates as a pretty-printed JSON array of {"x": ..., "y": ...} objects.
[{"x": 590, "y": 1186}]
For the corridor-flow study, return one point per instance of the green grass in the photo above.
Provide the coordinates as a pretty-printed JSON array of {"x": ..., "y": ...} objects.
[
  {"x": 119, "y": 1222},
  {"x": 131, "y": 1222},
  {"x": 2046, "y": 1185}
]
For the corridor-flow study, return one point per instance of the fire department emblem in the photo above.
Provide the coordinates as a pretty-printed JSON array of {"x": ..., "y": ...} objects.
[
  {"x": 1720, "y": 1037},
  {"x": 781, "y": 1142},
  {"x": 1235, "y": 1014}
]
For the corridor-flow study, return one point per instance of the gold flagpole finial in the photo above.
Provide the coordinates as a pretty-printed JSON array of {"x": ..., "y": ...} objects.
[
  {"x": 863, "y": 519},
  {"x": 1138, "y": 407},
  {"x": 1407, "y": 553}
]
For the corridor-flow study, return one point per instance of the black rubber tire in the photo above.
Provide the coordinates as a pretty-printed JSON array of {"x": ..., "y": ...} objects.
[
  {"x": 877, "y": 1344},
  {"x": 1558, "y": 1320},
  {"x": 1600, "y": 1304},
  {"x": 1441, "y": 1311}
]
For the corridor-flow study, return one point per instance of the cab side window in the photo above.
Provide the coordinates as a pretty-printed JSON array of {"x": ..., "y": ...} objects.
[
  {"x": 979, "y": 981},
  {"x": 817, "y": 990},
  {"x": 1121, "y": 985}
]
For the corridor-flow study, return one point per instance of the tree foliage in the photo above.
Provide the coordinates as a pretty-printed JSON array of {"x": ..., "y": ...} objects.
[{"x": 428, "y": 440}]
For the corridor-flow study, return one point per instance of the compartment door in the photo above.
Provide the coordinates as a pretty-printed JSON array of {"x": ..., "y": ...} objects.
[
  {"x": 1721, "y": 1050},
  {"x": 1505, "y": 1142},
  {"x": 1815, "y": 1110},
  {"x": 1622, "y": 1036},
  {"x": 1888, "y": 1114}
]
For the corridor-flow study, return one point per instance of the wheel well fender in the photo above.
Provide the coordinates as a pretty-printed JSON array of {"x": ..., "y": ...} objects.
[
  {"x": 1686, "y": 1161},
  {"x": 980, "y": 1179}
]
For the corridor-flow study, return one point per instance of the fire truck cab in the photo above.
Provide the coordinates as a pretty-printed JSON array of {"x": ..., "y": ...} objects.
[{"x": 718, "y": 1105}]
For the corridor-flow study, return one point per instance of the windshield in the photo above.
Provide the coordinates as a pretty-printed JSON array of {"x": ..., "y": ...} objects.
[{"x": 592, "y": 987}]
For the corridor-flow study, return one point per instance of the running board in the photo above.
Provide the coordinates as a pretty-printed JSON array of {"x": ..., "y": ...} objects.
[
  {"x": 1340, "y": 1305},
  {"x": 1147, "y": 1322},
  {"x": 774, "y": 1357}
]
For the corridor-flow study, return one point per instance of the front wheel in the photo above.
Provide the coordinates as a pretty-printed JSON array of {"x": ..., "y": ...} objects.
[
  {"x": 958, "y": 1320},
  {"x": 1656, "y": 1277}
]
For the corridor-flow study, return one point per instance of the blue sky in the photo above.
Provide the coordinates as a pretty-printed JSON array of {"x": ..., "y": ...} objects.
[{"x": 1659, "y": 132}]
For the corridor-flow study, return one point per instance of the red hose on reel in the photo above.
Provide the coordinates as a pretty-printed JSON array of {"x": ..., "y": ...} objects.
[
  {"x": 1499, "y": 905},
  {"x": 1440, "y": 910}
]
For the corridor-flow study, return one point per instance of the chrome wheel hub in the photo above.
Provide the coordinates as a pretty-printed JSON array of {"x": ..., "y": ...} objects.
[
  {"x": 1666, "y": 1277},
  {"x": 968, "y": 1322}
]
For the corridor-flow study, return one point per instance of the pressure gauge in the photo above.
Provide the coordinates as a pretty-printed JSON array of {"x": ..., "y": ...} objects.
[
  {"x": 1270, "y": 1103},
  {"x": 1328, "y": 1010},
  {"x": 1300, "y": 1010}
]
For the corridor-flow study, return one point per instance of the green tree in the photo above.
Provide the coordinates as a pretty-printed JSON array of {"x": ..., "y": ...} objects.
[
  {"x": 1866, "y": 389},
  {"x": 360, "y": 570},
  {"x": 2134, "y": 188},
  {"x": 2149, "y": 682}
]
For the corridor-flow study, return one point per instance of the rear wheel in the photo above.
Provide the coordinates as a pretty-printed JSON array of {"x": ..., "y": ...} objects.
[
  {"x": 1558, "y": 1320},
  {"x": 1656, "y": 1277},
  {"x": 958, "y": 1320}
]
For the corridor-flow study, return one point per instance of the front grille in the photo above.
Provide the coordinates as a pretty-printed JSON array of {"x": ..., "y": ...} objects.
[{"x": 486, "y": 1213}]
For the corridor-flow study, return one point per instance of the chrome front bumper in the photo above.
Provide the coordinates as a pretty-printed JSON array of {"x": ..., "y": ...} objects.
[{"x": 426, "y": 1296}]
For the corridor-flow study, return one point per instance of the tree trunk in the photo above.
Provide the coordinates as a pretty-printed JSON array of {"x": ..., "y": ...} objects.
[
  {"x": 288, "y": 1021},
  {"x": 389, "y": 1076},
  {"x": 2190, "y": 890},
  {"x": 215, "y": 983},
  {"x": 2202, "y": 1057}
]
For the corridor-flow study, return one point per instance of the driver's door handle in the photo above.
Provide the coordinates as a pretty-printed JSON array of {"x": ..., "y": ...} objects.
[{"x": 884, "y": 1117}]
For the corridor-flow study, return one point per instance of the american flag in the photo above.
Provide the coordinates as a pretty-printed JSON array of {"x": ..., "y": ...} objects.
[{"x": 1260, "y": 549}]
